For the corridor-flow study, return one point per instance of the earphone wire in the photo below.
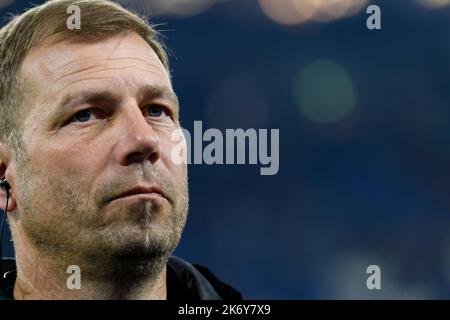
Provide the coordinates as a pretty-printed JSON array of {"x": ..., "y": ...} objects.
[{"x": 1, "y": 236}]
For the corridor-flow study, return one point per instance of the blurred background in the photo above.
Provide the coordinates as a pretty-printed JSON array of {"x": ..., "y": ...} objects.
[{"x": 364, "y": 128}]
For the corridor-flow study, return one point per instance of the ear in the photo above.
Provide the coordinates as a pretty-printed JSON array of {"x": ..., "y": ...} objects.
[{"x": 5, "y": 168}]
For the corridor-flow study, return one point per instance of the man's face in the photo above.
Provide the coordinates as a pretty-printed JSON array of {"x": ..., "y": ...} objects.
[{"x": 99, "y": 125}]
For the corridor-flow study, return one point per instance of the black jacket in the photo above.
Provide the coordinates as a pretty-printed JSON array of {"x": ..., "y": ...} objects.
[{"x": 185, "y": 282}]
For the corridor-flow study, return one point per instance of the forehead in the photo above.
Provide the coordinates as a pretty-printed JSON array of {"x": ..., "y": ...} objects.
[{"x": 54, "y": 68}]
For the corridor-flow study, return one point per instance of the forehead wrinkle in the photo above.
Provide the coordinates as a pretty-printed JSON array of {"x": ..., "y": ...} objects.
[
  {"x": 153, "y": 68},
  {"x": 108, "y": 78},
  {"x": 77, "y": 61},
  {"x": 79, "y": 80},
  {"x": 102, "y": 69}
]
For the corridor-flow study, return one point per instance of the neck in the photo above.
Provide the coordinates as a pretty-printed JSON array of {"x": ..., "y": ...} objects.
[{"x": 40, "y": 276}]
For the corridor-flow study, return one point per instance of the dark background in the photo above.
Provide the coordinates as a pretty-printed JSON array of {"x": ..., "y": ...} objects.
[{"x": 364, "y": 146}]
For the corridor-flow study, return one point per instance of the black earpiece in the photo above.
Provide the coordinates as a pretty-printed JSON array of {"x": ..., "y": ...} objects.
[{"x": 5, "y": 185}]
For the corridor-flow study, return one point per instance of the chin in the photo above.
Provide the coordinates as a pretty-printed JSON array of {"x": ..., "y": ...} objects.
[{"x": 141, "y": 240}]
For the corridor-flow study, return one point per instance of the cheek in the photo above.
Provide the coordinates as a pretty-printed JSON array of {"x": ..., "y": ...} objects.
[
  {"x": 66, "y": 161},
  {"x": 171, "y": 149}
]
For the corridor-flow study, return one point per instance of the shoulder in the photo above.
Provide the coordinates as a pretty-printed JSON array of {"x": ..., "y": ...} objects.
[{"x": 198, "y": 282}]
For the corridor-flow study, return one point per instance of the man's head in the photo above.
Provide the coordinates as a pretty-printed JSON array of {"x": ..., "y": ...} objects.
[{"x": 86, "y": 123}]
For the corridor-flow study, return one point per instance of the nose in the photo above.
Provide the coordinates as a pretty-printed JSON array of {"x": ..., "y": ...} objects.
[{"x": 138, "y": 142}]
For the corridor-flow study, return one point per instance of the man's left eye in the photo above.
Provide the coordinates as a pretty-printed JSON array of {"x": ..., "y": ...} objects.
[{"x": 156, "y": 111}]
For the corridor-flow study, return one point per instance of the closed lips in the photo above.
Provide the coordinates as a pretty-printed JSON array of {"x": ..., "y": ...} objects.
[{"x": 140, "y": 190}]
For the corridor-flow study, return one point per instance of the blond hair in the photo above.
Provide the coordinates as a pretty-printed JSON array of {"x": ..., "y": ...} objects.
[{"x": 99, "y": 19}]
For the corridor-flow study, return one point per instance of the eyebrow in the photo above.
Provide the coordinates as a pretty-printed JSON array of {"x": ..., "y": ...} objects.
[{"x": 93, "y": 96}]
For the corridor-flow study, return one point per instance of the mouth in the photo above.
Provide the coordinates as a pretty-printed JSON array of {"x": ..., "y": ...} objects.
[{"x": 141, "y": 192}]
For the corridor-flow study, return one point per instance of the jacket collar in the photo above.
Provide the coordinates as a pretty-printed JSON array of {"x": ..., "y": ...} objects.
[{"x": 184, "y": 282}]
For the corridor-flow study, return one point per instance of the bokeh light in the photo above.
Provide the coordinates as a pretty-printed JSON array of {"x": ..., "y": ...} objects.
[
  {"x": 291, "y": 12},
  {"x": 434, "y": 4},
  {"x": 356, "y": 6},
  {"x": 324, "y": 92},
  {"x": 330, "y": 10}
]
